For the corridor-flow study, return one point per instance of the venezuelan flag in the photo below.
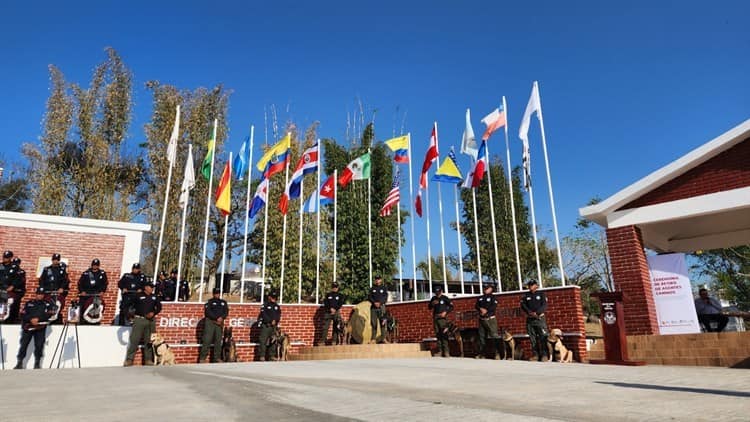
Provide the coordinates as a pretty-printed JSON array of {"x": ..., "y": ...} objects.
[{"x": 280, "y": 149}]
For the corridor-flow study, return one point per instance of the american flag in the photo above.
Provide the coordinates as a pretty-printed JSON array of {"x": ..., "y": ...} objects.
[{"x": 393, "y": 196}]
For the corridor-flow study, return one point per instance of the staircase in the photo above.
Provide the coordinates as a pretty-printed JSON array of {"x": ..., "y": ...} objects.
[{"x": 361, "y": 351}]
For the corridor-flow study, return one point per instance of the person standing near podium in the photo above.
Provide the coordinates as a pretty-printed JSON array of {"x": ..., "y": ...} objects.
[{"x": 534, "y": 304}]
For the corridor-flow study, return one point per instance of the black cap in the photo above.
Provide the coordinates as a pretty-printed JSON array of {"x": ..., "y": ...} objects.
[
  {"x": 8, "y": 254},
  {"x": 95, "y": 261},
  {"x": 40, "y": 289},
  {"x": 174, "y": 271},
  {"x": 216, "y": 290},
  {"x": 531, "y": 282},
  {"x": 137, "y": 265},
  {"x": 334, "y": 285},
  {"x": 164, "y": 273},
  {"x": 148, "y": 284},
  {"x": 55, "y": 256},
  {"x": 273, "y": 294},
  {"x": 490, "y": 285},
  {"x": 17, "y": 261},
  {"x": 438, "y": 289}
]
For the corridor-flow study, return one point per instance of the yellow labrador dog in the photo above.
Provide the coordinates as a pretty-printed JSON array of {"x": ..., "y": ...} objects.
[
  {"x": 162, "y": 354},
  {"x": 557, "y": 349}
]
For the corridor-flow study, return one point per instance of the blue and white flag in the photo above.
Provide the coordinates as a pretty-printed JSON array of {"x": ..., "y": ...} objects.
[{"x": 243, "y": 159}]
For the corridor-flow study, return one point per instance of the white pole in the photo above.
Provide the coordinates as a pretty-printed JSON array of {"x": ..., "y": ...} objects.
[
  {"x": 459, "y": 241},
  {"x": 492, "y": 217},
  {"x": 335, "y": 223},
  {"x": 442, "y": 236},
  {"x": 476, "y": 240},
  {"x": 182, "y": 232},
  {"x": 398, "y": 239},
  {"x": 413, "y": 241},
  {"x": 247, "y": 215},
  {"x": 226, "y": 227},
  {"x": 317, "y": 263},
  {"x": 549, "y": 185},
  {"x": 208, "y": 213},
  {"x": 299, "y": 259},
  {"x": 369, "y": 216},
  {"x": 283, "y": 239},
  {"x": 164, "y": 213},
  {"x": 429, "y": 249},
  {"x": 536, "y": 243},
  {"x": 265, "y": 242},
  {"x": 512, "y": 202}
]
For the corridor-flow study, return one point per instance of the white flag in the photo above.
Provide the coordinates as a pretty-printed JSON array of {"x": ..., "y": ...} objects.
[
  {"x": 534, "y": 105},
  {"x": 469, "y": 143},
  {"x": 172, "y": 147},
  {"x": 188, "y": 182}
]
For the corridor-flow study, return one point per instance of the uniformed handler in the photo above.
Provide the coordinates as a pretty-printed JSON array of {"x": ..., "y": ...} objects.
[
  {"x": 268, "y": 320},
  {"x": 378, "y": 297},
  {"x": 486, "y": 305},
  {"x": 147, "y": 306},
  {"x": 216, "y": 311},
  {"x": 159, "y": 284},
  {"x": 169, "y": 289},
  {"x": 534, "y": 303},
  {"x": 131, "y": 285},
  {"x": 36, "y": 313},
  {"x": 56, "y": 283},
  {"x": 441, "y": 305},
  {"x": 13, "y": 282},
  {"x": 183, "y": 291},
  {"x": 93, "y": 282},
  {"x": 331, "y": 310}
]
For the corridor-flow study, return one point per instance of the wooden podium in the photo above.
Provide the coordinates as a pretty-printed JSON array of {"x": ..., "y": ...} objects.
[{"x": 613, "y": 330}]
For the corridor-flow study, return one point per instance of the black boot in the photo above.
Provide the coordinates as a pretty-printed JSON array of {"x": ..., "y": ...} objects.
[
  {"x": 38, "y": 363},
  {"x": 19, "y": 365}
]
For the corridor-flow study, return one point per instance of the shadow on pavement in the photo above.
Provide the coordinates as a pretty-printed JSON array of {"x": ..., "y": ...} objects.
[{"x": 681, "y": 389}]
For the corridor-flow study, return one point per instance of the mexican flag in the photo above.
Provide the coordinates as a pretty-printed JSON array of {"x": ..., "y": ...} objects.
[
  {"x": 206, "y": 166},
  {"x": 358, "y": 169}
]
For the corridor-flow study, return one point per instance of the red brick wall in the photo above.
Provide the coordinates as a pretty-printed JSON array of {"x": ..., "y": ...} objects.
[
  {"x": 564, "y": 311},
  {"x": 631, "y": 276},
  {"x": 728, "y": 170},
  {"x": 77, "y": 248}
]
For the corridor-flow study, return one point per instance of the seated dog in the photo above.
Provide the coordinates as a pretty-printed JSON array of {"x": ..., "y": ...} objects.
[
  {"x": 557, "y": 349},
  {"x": 162, "y": 354},
  {"x": 390, "y": 325},
  {"x": 339, "y": 331},
  {"x": 280, "y": 345},
  {"x": 348, "y": 332},
  {"x": 454, "y": 332},
  {"x": 228, "y": 346},
  {"x": 508, "y": 346}
]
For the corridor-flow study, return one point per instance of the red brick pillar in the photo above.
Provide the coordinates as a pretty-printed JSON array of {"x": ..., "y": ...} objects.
[{"x": 631, "y": 276}]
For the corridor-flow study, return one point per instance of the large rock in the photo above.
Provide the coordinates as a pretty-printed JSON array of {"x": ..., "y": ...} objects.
[{"x": 360, "y": 323}]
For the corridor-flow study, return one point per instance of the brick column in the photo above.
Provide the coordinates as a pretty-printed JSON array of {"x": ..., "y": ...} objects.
[{"x": 631, "y": 276}]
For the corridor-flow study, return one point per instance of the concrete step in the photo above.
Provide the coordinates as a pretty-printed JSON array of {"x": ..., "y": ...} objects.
[
  {"x": 361, "y": 348},
  {"x": 360, "y": 355}
]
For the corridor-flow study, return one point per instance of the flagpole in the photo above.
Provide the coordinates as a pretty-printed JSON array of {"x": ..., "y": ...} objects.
[
  {"x": 317, "y": 263},
  {"x": 283, "y": 239},
  {"x": 512, "y": 203},
  {"x": 458, "y": 238},
  {"x": 299, "y": 259},
  {"x": 442, "y": 237},
  {"x": 182, "y": 229},
  {"x": 476, "y": 239},
  {"x": 369, "y": 216},
  {"x": 226, "y": 227},
  {"x": 265, "y": 241},
  {"x": 400, "y": 265},
  {"x": 413, "y": 242},
  {"x": 549, "y": 185},
  {"x": 492, "y": 216},
  {"x": 208, "y": 212},
  {"x": 533, "y": 226},
  {"x": 335, "y": 223},
  {"x": 429, "y": 249},
  {"x": 247, "y": 215},
  {"x": 166, "y": 202}
]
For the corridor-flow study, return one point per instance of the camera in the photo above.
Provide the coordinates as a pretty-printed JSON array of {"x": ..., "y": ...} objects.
[{"x": 73, "y": 312}]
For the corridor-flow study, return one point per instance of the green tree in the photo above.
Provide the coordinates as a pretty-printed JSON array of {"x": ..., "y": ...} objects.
[
  {"x": 729, "y": 270},
  {"x": 14, "y": 192}
]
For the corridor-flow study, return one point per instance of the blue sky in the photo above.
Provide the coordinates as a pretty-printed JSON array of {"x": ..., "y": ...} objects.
[{"x": 626, "y": 87}]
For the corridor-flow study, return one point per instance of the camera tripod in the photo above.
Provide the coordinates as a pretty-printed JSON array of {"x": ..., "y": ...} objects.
[
  {"x": 62, "y": 349},
  {"x": 2, "y": 348}
]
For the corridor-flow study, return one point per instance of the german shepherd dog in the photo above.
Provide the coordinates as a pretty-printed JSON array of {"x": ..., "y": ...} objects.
[
  {"x": 228, "y": 346},
  {"x": 280, "y": 345},
  {"x": 390, "y": 325},
  {"x": 339, "y": 328},
  {"x": 453, "y": 331}
]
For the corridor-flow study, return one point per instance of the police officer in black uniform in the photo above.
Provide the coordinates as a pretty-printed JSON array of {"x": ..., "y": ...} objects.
[
  {"x": 159, "y": 284},
  {"x": 36, "y": 313},
  {"x": 441, "y": 305},
  {"x": 331, "y": 310},
  {"x": 216, "y": 311},
  {"x": 12, "y": 285},
  {"x": 170, "y": 287},
  {"x": 183, "y": 292},
  {"x": 378, "y": 297},
  {"x": 147, "y": 306},
  {"x": 268, "y": 320},
  {"x": 56, "y": 282},
  {"x": 534, "y": 304},
  {"x": 486, "y": 305},
  {"x": 131, "y": 285},
  {"x": 92, "y": 284}
]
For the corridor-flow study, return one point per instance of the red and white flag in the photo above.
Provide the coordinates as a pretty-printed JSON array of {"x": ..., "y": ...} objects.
[
  {"x": 430, "y": 157},
  {"x": 493, "y": 121},
  {"x": 418, "y": 203},
  {"x": 393, "y": 196}
]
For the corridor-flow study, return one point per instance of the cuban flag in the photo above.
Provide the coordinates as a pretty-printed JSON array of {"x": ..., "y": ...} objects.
[
  {"x": 477, "y": 171},
  {"x": 326, "y": 193},
  {"x": 260, "y": 198},
  {"x": 308, "y": 163}
]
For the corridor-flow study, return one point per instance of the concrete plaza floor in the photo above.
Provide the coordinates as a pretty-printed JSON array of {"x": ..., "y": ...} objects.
[{"x": 378, "y": 390}]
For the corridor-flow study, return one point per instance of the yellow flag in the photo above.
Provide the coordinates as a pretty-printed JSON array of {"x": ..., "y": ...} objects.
[{"x": 277, "y": 150}]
